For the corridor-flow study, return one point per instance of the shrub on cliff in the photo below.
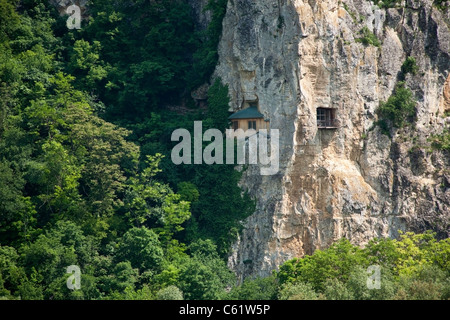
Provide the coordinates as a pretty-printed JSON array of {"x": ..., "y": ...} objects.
[{"x": 399, "y": 107}]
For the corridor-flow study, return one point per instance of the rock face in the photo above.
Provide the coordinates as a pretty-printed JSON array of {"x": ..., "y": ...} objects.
[
  {"x": 202, "y": 16},
  {"x": 295, "y": 56}
]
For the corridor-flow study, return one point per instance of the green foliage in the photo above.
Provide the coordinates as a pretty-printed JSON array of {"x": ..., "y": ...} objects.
[
  {"x": 335, "y": 262},
  {"x": 218, "y": 205},
  {"x": 337, "y": 290},
  {"x": 441, "y": 141},
  {"x": 85, "y": 64},
  {"x": 368, "y": 38},
  {"x": 147, "y": 47},
  {"x": 12, "y": 275},
  {"x": 9, "y": 19},
  {"x": 147, "y": 199},
  {"x": 432, "y": 283},
  {"x": 17, "y": 221},
  {"x": 384, "y": 127},
  {"x": 142, "y": 248},
  {"x": 399, "y": 107},
  {"x": 358, "y": 289},
  {"x": 123, "y": 277},
  {"x": 169, "y": 293},
  {"x": 129, "y": 294},
  {"x": 297, "y": 291},
  {"x": 441, "y": 4},
  {"x": 218, "y": 106},
  {"x": 188, "y": 191},
  {"x": 410, "y": 66},
  {"x": 205, "y": 56},
  {"x": 46, "y": 259},
  {"x": 413, "y": 267},
  {"x": 148, "y": 63},
  {"x": 222, "y": 206},
  {"x": 73, "y": 188},
  {"x": 255, "y": 289},
  {"x": 205, "y": 275}
]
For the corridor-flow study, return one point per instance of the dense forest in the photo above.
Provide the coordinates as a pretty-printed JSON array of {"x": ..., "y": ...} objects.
[{"x": 86, "y": 118}]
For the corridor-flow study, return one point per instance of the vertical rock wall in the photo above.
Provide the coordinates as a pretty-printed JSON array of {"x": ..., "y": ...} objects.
[{"x": 353, "y": 181}]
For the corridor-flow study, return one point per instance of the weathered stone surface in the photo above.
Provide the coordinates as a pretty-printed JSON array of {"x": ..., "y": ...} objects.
[
  {"x": 353, "y": 182},
  {"x": 202, "y": 17}
]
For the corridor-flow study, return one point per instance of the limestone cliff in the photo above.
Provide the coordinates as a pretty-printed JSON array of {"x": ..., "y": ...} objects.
[{"x": 353, "y": 181}]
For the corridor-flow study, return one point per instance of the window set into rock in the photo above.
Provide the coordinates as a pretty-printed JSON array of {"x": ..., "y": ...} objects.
[{"x": 326, "y": 118}]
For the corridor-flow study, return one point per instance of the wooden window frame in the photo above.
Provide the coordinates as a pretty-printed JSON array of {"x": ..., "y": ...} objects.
[
  {"x": 235, "y": 125},
  {"x": 326, "y": 118}
]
